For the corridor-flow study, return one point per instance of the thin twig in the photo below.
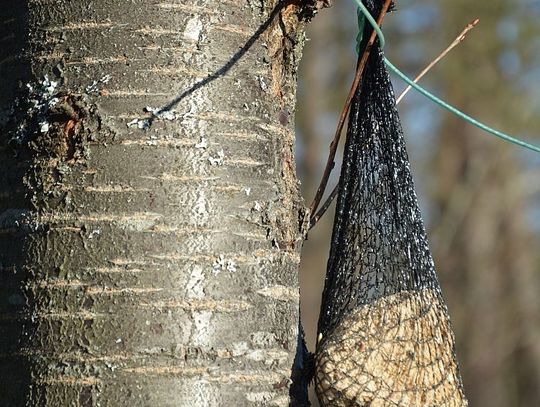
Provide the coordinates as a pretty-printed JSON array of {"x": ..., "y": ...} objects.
[
  {"x": 343, "y": 117},
  {"x": 459, "y": 39},
  {"x": 315, "y": 218}
]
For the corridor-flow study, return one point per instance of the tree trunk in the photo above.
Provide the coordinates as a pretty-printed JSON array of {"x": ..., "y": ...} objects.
[{"x": 148, "y": 257}]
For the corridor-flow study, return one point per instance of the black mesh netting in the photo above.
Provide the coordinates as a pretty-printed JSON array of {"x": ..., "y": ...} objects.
[{"x": 384, "y": 332}]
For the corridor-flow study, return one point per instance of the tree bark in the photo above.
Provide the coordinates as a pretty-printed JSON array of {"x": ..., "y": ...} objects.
[{"x": 149, "y": 256}]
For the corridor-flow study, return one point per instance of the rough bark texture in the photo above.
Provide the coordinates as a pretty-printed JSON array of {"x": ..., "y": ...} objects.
[{"x": 148, "y": 257}]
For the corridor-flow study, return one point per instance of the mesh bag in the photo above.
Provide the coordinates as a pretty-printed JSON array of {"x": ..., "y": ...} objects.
[{"x": 385, "y": 337}]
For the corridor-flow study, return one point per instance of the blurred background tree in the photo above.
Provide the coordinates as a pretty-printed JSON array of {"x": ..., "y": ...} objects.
[{"x": 479, "y": 195}]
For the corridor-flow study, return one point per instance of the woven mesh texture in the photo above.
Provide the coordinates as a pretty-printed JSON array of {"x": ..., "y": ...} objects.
[{"x": 385, "y": 337}]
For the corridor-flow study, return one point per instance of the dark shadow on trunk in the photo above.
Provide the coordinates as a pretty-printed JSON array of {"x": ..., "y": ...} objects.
[
  {"x": 226, "y": 67},
  {"x": 15, "y": 72}
]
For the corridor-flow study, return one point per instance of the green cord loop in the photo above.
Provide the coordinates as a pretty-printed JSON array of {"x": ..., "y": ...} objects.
[
  {"x": 361, "y": 25},
  {"x": 371, "y": 20},
  {"x": 361, "y": 21}
]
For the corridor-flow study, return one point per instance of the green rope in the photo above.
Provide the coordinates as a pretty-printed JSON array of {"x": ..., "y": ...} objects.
[
  {"x": 364, "y": 14},
  {"x": 361, "y": 24}
]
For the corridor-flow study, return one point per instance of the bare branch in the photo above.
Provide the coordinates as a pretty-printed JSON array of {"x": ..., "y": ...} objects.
[{"x": 459, "y": 39}]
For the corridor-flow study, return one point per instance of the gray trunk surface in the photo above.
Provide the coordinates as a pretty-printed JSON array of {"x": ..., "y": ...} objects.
[{"x": 148, "y": 258}]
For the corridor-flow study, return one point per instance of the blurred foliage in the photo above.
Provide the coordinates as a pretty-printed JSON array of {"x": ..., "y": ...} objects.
[{"x": 479, "y": 195}]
